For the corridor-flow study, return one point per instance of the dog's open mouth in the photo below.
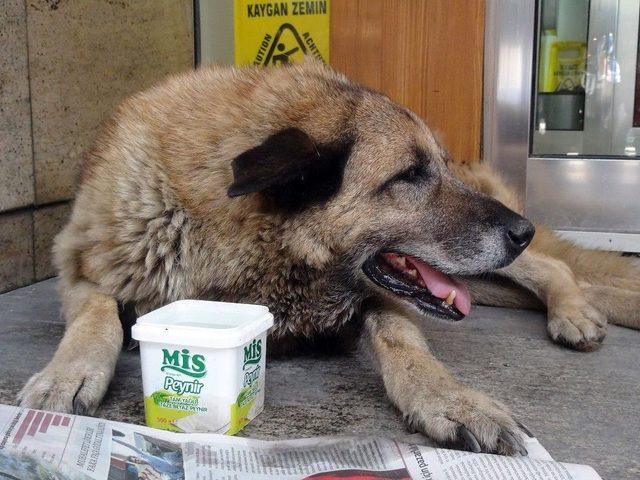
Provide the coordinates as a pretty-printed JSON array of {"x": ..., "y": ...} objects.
[{"x": 429, "y": 289}]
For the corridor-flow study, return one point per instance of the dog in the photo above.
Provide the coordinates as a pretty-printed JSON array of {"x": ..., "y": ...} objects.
[{"x": 296, "y": 188}]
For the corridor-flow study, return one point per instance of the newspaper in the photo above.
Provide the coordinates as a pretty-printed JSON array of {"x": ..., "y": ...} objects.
[{"x": 46, "y": 445}]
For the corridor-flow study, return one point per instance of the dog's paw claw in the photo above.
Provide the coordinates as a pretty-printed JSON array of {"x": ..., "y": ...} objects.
[
  {"x": 468, "y": 419},
  {"x": 468, "y": 439},
  {"x": 580, "y": 342},
  {"x": 69, "y": 390},
  {"x": 580, "y": 345},
  {"x": 79, "y": 407},
  {"x": 525, "y": 429},
  {"x": 512, "y": 442}
]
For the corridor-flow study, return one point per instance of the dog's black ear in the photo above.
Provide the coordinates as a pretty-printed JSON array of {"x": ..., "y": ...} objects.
[{"x": 291, "y": 170}]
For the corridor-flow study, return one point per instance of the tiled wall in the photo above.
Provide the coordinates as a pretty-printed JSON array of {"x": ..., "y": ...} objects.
[{"x": 64, "y": 66}]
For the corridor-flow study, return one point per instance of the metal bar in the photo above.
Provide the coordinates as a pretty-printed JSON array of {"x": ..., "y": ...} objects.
[{"x": 509, "y": 43}]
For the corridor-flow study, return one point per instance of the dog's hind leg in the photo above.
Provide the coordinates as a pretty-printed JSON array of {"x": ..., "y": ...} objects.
[
  {"x": 77, "y": 377},
  {"x": 429, "y": 397}
]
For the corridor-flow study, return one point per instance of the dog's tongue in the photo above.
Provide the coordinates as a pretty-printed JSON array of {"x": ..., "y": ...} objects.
[{"x": 441, "y": 285}]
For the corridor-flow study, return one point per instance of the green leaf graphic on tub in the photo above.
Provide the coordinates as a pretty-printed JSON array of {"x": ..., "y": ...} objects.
[
  {"x": 182, "y": 361},
  {"x": 160, "y": 396},
  {"x": 252, "y": 353}
]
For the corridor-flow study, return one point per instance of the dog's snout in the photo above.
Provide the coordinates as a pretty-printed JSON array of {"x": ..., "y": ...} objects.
[{"x": 520, "y": 232}]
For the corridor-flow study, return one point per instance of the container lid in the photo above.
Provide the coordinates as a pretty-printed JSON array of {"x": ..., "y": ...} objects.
[{"x": 203, "y": 324}]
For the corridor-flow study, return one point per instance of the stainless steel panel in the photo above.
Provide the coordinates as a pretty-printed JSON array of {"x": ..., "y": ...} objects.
[
  {"x": 509, "y": 33},
  {"x": 584, "y": 194}
]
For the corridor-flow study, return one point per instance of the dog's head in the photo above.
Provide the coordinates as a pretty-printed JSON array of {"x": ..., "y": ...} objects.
[{"x": 361, "y": 179}]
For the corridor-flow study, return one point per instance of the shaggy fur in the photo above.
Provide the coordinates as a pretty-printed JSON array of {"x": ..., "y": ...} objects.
[{"x": 274, "y": 186}]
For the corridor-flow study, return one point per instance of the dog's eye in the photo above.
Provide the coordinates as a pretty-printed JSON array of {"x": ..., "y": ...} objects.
[{"x": 412, "y": 174}]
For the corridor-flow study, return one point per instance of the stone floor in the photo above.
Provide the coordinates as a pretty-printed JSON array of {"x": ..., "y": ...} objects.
[{"x": 584, "y": 408}]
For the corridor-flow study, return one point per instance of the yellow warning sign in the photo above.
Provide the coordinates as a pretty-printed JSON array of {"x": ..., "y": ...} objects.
[{"x": 274, "y": 33}]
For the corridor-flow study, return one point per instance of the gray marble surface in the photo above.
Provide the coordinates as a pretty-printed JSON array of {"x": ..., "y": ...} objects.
[{"x": 583, "y": 407}]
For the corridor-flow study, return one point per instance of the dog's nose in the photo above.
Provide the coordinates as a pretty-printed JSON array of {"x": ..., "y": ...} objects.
[{"x": 520, "y": 231}]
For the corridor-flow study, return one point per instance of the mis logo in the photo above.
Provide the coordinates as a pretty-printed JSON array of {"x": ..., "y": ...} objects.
[
  {"x": 183, "y": 362},
  {"x": 252, "y": 353}
]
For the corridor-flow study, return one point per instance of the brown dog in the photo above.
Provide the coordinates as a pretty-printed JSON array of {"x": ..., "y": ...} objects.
[{"x": 298, "y": 189}]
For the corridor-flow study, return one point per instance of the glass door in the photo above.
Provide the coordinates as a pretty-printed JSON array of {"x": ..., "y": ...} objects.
[{"x": 586, "y": 84}]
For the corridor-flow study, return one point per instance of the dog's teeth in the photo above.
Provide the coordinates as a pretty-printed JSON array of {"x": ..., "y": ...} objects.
[
  {"x": 452, "y": 296},
  {"x": 412, "y": 273}
]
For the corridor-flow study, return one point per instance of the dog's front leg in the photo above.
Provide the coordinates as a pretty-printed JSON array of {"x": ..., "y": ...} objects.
[
  {"x": 77, "y": 377},
  {"x": 571, "y": 319},
  {"x": 429, "y": 397}
]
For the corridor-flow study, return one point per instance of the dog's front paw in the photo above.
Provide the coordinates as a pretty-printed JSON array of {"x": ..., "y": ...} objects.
[
  {"x": 467, "y": 418},
  {"x": 76, "y": 388},
  {"x": 577, "y": 325}
]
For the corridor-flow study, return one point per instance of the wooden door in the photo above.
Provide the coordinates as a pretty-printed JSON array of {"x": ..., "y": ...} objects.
[{"x": 425, "y": 54}]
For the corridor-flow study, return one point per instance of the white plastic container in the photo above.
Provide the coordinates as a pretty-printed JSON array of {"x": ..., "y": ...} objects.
[{"x": 203, "y": 365}]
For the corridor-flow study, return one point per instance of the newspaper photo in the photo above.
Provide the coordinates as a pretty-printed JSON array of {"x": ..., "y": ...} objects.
[{"x": 46, "y": 445}]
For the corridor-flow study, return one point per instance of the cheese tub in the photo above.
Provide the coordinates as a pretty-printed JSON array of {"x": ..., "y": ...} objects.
[{"x": 203, "y": 365}]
